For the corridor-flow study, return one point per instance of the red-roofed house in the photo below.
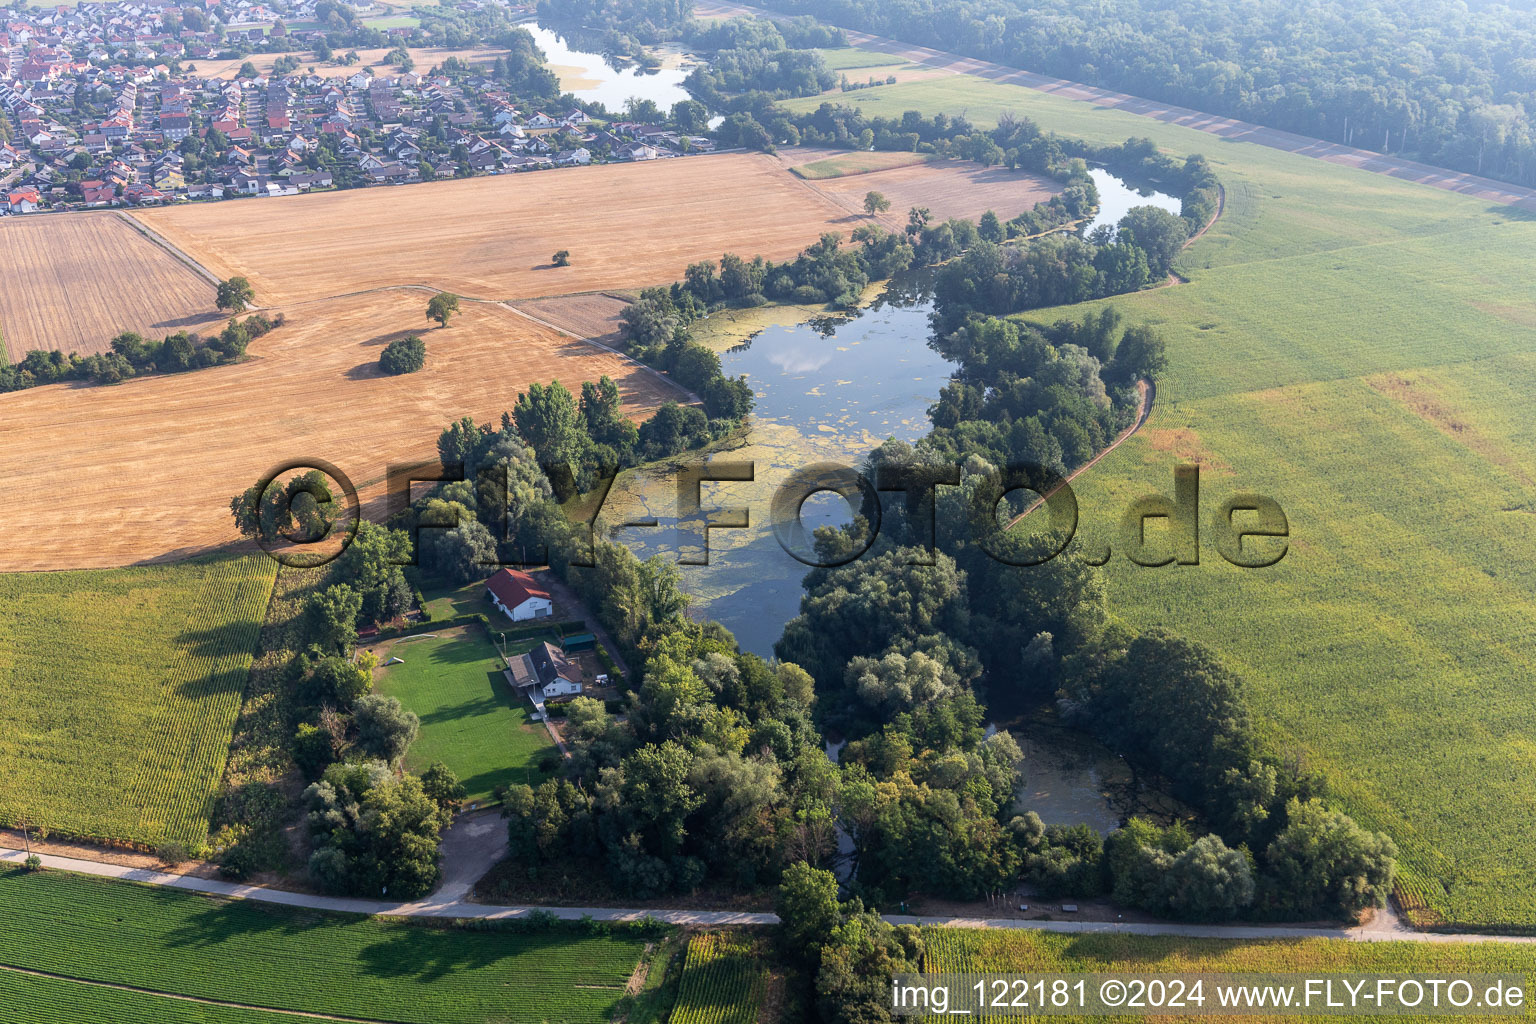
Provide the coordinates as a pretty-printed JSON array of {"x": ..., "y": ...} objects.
[
  {"x": 95, "y": 193},
  {"x": 25, "y": 200},
  {"x": 518, "y": 596}
]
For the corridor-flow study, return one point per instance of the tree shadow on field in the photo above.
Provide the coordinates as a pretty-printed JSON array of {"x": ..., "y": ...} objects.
[
  {"x": 1516, "y": 213},
  {"x": 467, "y": 709},
  {"x": 423, "y": 953},
  {"x": 365, "y": 371},
  {"x": 381, "y": 340},
  {"x": 217, "y": 641},
  {"x": 194, "y": 320},
  {"x": 210, "y": 922}
]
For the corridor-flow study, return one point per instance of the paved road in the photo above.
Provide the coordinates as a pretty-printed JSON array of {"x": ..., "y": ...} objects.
[
  {"x": 1225, "y": 127},
  {"x": 449, "y": 902}
]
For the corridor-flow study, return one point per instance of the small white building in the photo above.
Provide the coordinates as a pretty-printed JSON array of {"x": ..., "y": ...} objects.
[
  {"x": 561, "y": 688},
  {"x": 518, "y": 596}
]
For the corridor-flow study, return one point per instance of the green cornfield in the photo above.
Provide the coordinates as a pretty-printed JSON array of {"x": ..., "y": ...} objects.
[
  {"x": 724, "y": 980},
  {"x": 282, "y": 958},
  {"x": 1004, "y": 951},
  {"x": 1358, "y": 348},
  {"x": 119, "y": 691}
]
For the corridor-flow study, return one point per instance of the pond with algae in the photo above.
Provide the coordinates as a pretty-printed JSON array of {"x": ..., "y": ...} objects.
[{"x": 828, "y": 390}]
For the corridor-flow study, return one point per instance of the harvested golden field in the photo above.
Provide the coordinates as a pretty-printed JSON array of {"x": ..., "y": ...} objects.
[
  {"x": 75, "y": 281},
  {"x": 106, "y": 476},
  {"x": 594, "y": 315},
  {"x": 626, "y": 225},
  {"x": 948, "y": 188},
  {"x": 426, "y": 58}
]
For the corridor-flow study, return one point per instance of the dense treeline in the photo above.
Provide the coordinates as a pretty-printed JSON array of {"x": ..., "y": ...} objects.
[
  {"x": 131, "y": 355},
  {"x": 1432, "y": 79},
  {"x": 903, "y": 646},
  {"x": 756, "y": 61}
]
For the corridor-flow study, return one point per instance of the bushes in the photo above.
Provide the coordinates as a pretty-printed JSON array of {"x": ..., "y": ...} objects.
[
  {"x": 132, "y": 355},
  {"x": 403, "y": 355}
]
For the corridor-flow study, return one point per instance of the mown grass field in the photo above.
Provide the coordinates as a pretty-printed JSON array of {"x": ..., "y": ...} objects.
[
  {"x": 1360, "y": 349},
  {"x": 857, "y": 163},
  {"x": 724, "y": 979},
  {"x": 845, "y": 58},
  {"x": 965, "y": 950},
  {"x": 470, "y": 718},
  {"x": 119, "y": 691},
  {"x": 289, "y": 959}
]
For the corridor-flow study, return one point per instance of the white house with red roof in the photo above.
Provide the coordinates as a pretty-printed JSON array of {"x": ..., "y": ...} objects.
[
  {"x": 24, "y": 200},
  {"x": 518, "y": 596}
]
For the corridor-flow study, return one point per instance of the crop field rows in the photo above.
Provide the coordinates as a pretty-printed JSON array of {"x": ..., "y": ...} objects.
[
  {"x": 74, "y": 283},
  {"x": 288, "y": 959},
  {"x": 1358, "y": 348},
  {"x": 724, "y": 980},
  {"x": 122, "y": 688},
  {"x": 977, "y": 951},
  {"x": 30, "y": 999},
  {"x": 493, "y": 237},
  {"x": 946, "y": 188}
]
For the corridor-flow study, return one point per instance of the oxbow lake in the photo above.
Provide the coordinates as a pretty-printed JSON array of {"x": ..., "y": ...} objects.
[
  {"x": 1116, "y": 197},
  {"x": 590, "y": 77}
]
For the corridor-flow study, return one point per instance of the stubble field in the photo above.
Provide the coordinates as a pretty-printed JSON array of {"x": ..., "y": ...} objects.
[
  {"x": 947, "y": 188},
  {"x": 74, "y": 282},
  {"x": 625, "y": 225},
  {"x": 153, "y": 475}
]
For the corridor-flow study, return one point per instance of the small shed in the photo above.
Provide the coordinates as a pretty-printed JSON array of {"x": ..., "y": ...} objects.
[{"x": 579, "y": 642}]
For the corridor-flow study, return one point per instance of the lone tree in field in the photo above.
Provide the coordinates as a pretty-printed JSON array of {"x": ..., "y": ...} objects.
[
  {"x": 403, "y": 355},
  {"x": 235, "y": 294},
  {"x": 563, "y": 258},
  {"x": 442, "y": 307},
  {"x": 875, "y": 202}
]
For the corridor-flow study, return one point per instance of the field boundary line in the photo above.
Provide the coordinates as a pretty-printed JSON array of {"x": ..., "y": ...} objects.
[
  {"x": 606, "y": 348},
  {"x": 170, "y": 247},
  {"x": 203, "y": 1000}
]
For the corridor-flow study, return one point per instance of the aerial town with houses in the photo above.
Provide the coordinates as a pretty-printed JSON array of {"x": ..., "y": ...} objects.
[{"x": 151, "y": 102}]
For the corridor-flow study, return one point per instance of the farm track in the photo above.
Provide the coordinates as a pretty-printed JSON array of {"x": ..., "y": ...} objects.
[
  {"x": 1384, "y": 928},
  {"x": 75, "y": 281}
]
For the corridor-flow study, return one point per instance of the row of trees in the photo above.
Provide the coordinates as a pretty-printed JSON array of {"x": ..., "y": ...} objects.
[
  {"x": 131, "y": 355},
  {"x": 1431, "y": 79}
]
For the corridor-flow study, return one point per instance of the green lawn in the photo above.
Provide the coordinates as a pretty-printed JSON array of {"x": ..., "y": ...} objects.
[
  {"x": 277, "y": 957},
  {"x": 445, "y": 601},
  {"x": 119, "y": 691},
  {"x": 844, "y": 58},
  {"x": 1360, "y": 349},
  {"x": 470, "y": 718}
]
